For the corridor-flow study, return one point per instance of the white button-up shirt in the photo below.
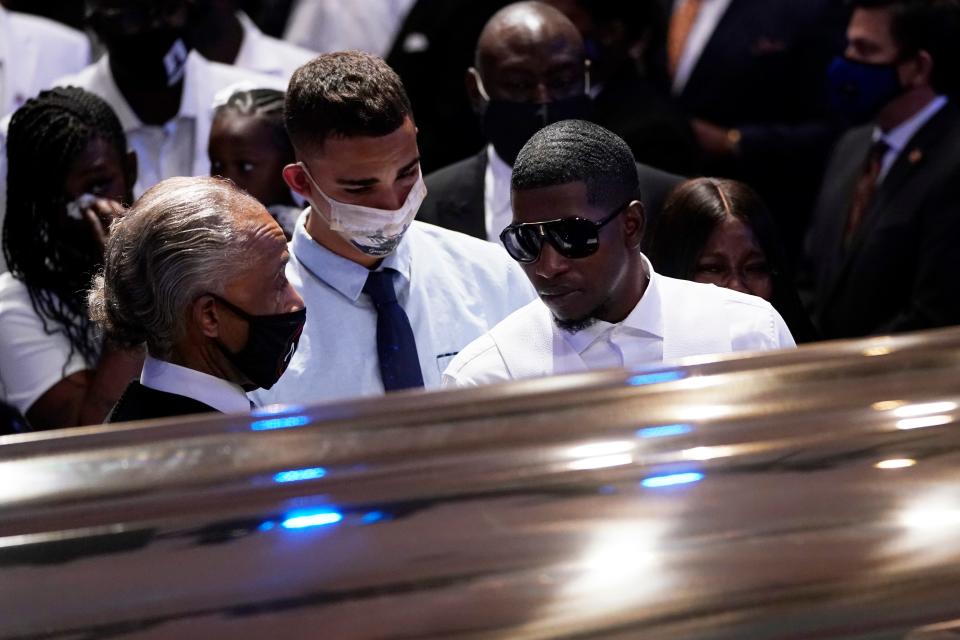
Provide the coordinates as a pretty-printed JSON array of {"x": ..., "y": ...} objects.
[
  {"x": 222, "y": 395},
  {"x": 638, "y": 338},
  {"x": 498, "y": 213},
  {"x": 674, "y": 319},
  {"x": 179, "y": 147},
  {"x": 270, "y": 56},
  {"x": 452, "y": 287},
  {"x": 334, "y": 25}
]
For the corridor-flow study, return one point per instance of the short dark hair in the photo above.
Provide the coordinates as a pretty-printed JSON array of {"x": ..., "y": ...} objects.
[
  {"x": 925, "y": 25},
  {"x": 344, "y": 94},
  {"x": 578, "y": 151},
  {"x": 266, "y": 104},
  {"x": 691, "y": 213}
]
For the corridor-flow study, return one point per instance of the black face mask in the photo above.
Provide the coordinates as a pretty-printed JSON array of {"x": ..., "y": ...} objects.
[
  {"x": 271, "y": 343},
  {"x": 508, "y": 125},
  {"x": 155, "y": 59}
]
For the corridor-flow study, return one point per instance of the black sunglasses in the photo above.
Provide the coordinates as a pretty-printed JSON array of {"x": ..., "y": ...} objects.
[{"x": 571, "y": 237}]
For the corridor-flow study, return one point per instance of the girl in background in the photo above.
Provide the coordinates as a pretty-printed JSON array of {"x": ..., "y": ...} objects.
[{"x": 249, "y": 145}]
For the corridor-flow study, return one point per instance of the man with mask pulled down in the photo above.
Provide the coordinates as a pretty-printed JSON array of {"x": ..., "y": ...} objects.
[
  {"x": 392, "y": 299},
  {"x": 882, "y": 251},
  {"x": 531, "y": 70},
  {"x": 196, "y": 271},
  {"x": 161, "y": 90}
]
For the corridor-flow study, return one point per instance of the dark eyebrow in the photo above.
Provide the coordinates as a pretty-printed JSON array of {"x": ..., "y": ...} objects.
[
  {"x": 369, "y": 182},
  {"x": 409, "y": 166}
]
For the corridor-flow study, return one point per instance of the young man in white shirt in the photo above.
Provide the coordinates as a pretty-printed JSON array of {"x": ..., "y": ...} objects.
[
  {"x": 577, "y": 228},
  {"x": 392, "y": 300}
]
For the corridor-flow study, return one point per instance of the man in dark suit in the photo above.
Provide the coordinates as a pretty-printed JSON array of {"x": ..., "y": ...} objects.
[
  {"x": 883, "y": 251},
  {"x": 196, "y": 271},
  {"x": 530, "y": 71},
  {"x": 750, "y": 76}
]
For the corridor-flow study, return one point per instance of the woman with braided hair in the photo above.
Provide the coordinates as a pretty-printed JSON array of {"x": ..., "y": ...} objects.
[{"x": 68, "y": 173}]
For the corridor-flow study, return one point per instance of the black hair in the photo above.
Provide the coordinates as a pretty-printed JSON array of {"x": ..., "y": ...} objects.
[
  {"x": 266, "y": 104},
  {"x": 925, "y": 25},
  {"x": 344, "y": 94},
  {"x": 692, "y": 212},
  {"x": 578, "y": 151},
  {"x": 45, "y": 137}
]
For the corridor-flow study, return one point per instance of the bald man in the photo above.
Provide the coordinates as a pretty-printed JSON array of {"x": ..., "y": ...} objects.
[{"x": 530, "y": 71}]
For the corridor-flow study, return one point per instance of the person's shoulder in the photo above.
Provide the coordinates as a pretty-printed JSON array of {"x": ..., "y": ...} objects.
[
  {"x": 50, "y": 32},
  {"x": 465, "y": 248},
  {"x": 13, "y": 292},
  {"x": 219, "y": 75},
  {"x": 86, "y": 78},
  {"x": 456, "y": 172}
]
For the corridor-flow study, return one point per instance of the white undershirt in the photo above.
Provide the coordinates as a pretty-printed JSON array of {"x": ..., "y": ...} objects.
[
  {"x": 496, "y": 196},
  {"x": 222, "y": 395},
  {"x": 711, "y": 12}
]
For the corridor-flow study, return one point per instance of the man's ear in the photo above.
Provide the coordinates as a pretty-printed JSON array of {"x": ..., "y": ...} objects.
[
  {"x": 203, "y": 313},
  {"x": 296, "y": 178},
  {"x": 924, "y": 69},
  {"x": 472, "y": 81},
  {"x": 634, "y": 224}
]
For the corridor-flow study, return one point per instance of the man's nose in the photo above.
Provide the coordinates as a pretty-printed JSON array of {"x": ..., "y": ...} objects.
[
  {"x": 551, "y": 264},
  {"x": 393, "y": 198},
  {"x": 293, "y": 300}
]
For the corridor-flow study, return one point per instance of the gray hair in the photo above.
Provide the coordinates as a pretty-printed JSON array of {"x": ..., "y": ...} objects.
[{"x": 181, "y": 239}]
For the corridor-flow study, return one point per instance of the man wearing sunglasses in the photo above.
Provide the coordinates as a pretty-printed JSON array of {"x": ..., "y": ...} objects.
[{"x": 577, "y": 228}]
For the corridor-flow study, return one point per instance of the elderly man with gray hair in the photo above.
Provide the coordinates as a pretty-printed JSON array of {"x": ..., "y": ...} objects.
[{"x": 196, "y": 272}]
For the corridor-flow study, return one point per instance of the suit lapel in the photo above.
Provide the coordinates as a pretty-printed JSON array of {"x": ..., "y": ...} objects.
[
  {"x": 844, "y": 186},
  {"x": 912, "y": 158},
  {"x": 464, "y": 211}
]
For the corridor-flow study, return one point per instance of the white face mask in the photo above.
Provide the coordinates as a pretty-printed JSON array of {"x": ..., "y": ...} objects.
[{"x": 376, "y": 232}]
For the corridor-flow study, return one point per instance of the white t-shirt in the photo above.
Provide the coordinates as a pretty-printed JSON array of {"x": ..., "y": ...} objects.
[{"x": 32, "y": 358}]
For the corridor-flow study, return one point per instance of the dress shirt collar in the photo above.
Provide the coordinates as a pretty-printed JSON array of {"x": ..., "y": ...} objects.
[
  {"x": 222, "y": 395},
  {"x": 646, "y": 317},
  {"x": 899, "y": 137},
  {"x": 496, "y": 197},
  {"x": 346, "y": 276},
  {"x": 111, "y": 93}
]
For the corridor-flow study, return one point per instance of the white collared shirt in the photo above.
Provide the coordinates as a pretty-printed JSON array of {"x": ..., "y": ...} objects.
[
  {"x": 333, "y": 25},
  {"x": 178, "y": 147},
  {"x": 498, "y": 213},
  {"x": 710, "y": 15},
  {"x": 222, "y": 395},
  {"x": 270, "y": 56},
  {"x": 452, "y": 287},
  {"x": 696, "y": 319},
  {"x": 637, "y": 338},
  {"x": 899, "y": 137}
]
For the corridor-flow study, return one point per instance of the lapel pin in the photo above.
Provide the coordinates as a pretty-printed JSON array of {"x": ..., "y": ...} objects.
[{"x": 915, "y": 156}]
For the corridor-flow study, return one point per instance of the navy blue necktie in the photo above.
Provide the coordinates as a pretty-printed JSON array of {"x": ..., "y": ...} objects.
[{"x": 396, "y": 346}]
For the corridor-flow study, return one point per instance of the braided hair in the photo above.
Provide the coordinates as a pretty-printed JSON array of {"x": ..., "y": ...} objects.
[
  {"x": 46, "y": 135},
  {"x": 261, "y": 103}
]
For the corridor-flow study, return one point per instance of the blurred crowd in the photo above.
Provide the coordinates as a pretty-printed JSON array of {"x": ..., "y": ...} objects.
[{"x": 214, "y": 205}]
